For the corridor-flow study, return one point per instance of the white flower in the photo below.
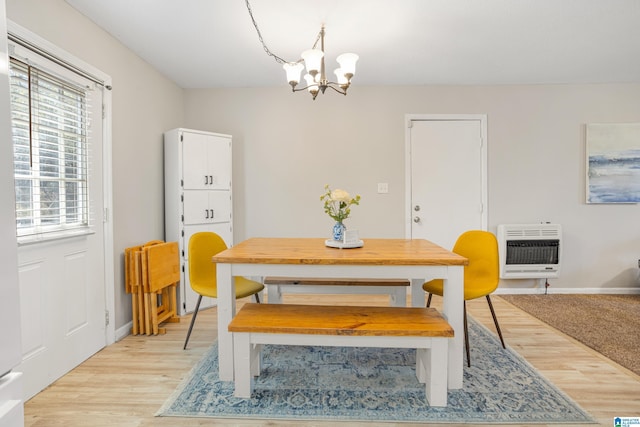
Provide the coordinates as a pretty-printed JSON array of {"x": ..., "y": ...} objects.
[
  {"x": 337, "y": 203},
  {"x": 338, "y": 195}
]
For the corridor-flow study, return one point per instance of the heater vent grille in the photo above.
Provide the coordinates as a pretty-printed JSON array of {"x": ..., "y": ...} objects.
[
  {"x": 532, "y": 231},
  {"x": 529, "y": 251}
]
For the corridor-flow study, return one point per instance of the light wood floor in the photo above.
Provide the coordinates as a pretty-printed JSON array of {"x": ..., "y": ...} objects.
[{"x": 126, "y": 383}]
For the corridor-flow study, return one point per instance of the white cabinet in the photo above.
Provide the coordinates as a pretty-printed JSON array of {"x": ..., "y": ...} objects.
[
  {"x": 198, "y": 197},
  {"x": 208, "y": 157},
  {"x": 206, "y": 207}
]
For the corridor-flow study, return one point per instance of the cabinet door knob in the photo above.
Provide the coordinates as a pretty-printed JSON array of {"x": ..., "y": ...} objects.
[
  {"x": 211, "y": 213},
  {"x": 206, "y": 213},
  {"x": 206, "y": 179}
]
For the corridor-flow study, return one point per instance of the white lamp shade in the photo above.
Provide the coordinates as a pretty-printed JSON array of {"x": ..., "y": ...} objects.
[
  {"x": 312, "y": 60},
  {"x": 311, "y": 83},
  {"x": 347, "y": 62},
  {"x": 342, "y": 79},
  {"x": 293, "y": 72}
]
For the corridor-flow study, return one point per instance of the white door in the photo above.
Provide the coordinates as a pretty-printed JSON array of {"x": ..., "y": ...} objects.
[
  {"x": 446, "y": 160},
  {"x": 62, "y": 276}
]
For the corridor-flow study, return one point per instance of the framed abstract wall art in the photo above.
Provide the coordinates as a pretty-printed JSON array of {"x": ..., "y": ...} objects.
[{"x": 613, "y": 163}]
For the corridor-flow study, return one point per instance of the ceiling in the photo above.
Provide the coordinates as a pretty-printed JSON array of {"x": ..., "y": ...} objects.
[{"x": 212, "y": 43}]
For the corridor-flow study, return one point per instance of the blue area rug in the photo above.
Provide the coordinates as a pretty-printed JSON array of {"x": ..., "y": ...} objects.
[{"x": 360, "y": 384}]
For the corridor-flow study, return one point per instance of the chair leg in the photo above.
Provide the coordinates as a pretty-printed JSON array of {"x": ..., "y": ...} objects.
[
  {"x": 193, "y": 320},
  {"x": 429, "y": 300},
  {"x": 466, "y": 335},
  {"x": 495, "y": 320},
  {"x": 257, "y": 298}
]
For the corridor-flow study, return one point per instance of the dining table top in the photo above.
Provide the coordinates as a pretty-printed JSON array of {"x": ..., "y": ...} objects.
[{"x": 313, "y": 251}]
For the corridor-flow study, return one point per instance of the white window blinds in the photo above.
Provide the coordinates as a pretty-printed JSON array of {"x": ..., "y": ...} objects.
[{"x": 51, "y": 160}]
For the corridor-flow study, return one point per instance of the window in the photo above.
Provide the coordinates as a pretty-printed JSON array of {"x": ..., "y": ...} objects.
[{"x": 49, "y": 121}]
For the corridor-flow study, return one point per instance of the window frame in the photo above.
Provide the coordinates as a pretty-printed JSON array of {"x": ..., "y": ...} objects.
[{"x": 50, "y": 113}]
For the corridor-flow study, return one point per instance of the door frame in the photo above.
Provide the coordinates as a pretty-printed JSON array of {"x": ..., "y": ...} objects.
[{"x": 409, "y": 118}]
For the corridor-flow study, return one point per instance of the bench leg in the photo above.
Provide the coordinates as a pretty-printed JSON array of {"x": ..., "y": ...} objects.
[
  {"x": 398, "y": 298},
  {"x": 431, "y": 369},
  {"x": 274, "y": 294},
  {"x": 422, "y": 360},
  {"x": 242, "y": 365}
]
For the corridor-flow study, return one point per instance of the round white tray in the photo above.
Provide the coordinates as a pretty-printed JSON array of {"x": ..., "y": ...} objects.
[{"x": 336, "y": 244}]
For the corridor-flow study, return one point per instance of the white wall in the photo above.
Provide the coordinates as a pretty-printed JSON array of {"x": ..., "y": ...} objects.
[
  {"x": 288, "y": 146},
  {"x": 145, "y": 104}
]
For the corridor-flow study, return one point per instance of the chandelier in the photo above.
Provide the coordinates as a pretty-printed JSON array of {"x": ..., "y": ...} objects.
[{"x": 313, "y": 59}]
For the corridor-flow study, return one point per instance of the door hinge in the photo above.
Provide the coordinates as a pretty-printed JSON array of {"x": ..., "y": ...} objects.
[
  {"x": 409, "y": 124},
  {"x": 106, "y": 318},
  {"x": 105, "y": 215}
]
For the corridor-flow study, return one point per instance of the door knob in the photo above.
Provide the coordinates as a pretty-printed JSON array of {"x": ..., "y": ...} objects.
[
  {"x": 416, "y": 219},
  {"x": 416, "y": 208}
]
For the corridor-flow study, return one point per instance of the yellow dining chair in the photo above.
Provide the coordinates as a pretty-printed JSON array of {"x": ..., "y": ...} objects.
[
  {"x": 202, "y": 272},
  {"x": 481, "y": 275}
]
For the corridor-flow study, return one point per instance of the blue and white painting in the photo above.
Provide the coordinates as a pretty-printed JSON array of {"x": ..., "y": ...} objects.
[{"x": 613, "y": 163}]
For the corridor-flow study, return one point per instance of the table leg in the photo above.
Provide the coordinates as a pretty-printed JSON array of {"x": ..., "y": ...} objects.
[
  {"x": 274, "y": 294},
  {"x": 452, "y": 309},
  {"x": 417, "y": 293},
  {"x": 226, "y": 311}
]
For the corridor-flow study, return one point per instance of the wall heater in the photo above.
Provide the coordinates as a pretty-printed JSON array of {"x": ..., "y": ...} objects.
[{"x": 529, "y": 251}]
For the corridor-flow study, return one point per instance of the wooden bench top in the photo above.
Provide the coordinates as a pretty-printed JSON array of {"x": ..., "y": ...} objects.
[
  {"x": 334, "y": 282},
  {"x": 340, "y": 320}
]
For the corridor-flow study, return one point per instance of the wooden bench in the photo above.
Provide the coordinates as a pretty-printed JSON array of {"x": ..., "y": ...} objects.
[
  {"x": 348, "y": 326},
  {"x": 395, "y": 288}
]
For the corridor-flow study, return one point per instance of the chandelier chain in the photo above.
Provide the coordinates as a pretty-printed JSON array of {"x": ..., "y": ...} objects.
[{"x": 264, "y": 46}]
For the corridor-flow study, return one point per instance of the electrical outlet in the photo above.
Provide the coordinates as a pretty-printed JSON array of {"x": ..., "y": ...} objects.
[{"x": 383, "y": 188}]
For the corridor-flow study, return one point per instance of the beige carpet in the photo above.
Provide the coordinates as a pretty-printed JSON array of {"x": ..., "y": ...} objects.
[{"x": 610, "y": 324}]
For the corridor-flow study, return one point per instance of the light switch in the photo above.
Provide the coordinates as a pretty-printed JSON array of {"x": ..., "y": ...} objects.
[{"x": 383, "y": 188}]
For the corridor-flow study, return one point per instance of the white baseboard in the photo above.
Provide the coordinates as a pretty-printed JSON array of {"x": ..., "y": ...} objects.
[
  {"x": 554, "y": 290},
  {"x": 124, "y": 331}
]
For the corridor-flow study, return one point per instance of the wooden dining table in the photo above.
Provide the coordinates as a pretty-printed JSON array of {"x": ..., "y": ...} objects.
[{"x": 416, "y": 259}]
